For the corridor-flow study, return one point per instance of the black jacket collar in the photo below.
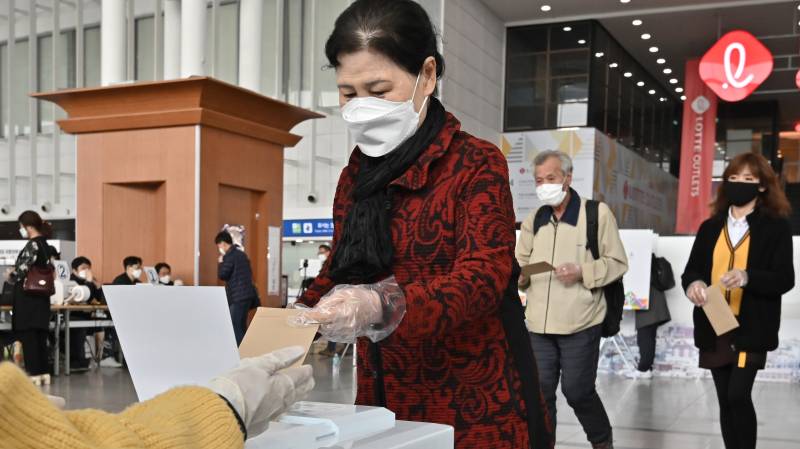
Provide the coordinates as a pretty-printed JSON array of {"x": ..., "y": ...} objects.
[{"x": 570, "y": 214}]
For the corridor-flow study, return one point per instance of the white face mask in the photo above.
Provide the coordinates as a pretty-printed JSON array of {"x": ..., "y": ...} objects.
[
  {"x": 165, "y": 279},
  {"x": 379, "y": 126},
  {"x": 551, "y": 194},
  {"x": 137, "y": 273},
  {"x": 23, "y": 232},
  {"x": 323, "y": 257},
  {"x": 222, "y": 251},
  {"x": 83, "y": 274}
]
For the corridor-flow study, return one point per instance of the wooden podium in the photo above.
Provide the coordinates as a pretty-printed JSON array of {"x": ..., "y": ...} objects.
[{"x": 162, "y": 166}]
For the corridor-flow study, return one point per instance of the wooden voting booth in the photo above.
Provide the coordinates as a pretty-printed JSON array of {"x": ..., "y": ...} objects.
[{"x": 162, "y": 166}]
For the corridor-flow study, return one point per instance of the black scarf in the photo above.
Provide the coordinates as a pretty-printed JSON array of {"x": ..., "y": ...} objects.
[{"x": 365, "y": 250}]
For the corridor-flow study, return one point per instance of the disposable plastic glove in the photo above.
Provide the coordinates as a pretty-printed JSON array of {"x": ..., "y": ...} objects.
[
  {"x": 261, "y": 388},
  {"x": 569, "y": 274},
  {"x": 734, "y": 279},
  {"x": 697, "y": 293},
  {"x": 351, "y": 311}
]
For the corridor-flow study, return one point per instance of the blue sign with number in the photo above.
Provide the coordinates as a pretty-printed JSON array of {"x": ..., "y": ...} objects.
[{"x": 308, "y": 228}]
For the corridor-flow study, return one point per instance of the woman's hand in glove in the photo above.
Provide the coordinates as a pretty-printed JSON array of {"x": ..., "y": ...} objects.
[
  {"x": 261, "y": 388},
  {"x": 734, "y": 279}
]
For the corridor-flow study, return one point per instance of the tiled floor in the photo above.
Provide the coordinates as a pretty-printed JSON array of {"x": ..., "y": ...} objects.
[{"x": 657, "y": 414}]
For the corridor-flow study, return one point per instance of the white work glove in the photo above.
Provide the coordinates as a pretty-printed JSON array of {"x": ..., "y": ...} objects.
[
  {"x": 261, "y": 388},
  {"x": 697, "y": 293},
  {"x": 569, "y": 274},
  {"x": 734, "y": 279},
  {"x": 351, "y": 311}
]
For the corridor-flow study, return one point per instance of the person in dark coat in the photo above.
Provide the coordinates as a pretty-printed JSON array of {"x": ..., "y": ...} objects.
[
  {"x": 82, "y": 275},
  {"x": 31, "y": 318},
  {"x": 649, "y": 320},
  {"x": 133, "y": 271},
  {"x": 745, "y": 249},
  {"x": 424, "y": 216},
  {"x": 234, "y": 269}
]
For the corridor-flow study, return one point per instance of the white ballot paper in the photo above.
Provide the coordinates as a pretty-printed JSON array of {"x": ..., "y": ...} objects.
[{"x": 173, "y": 336}]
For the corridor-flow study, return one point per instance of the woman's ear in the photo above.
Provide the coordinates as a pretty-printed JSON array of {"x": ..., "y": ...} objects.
[{"x": 429, "y": 76}]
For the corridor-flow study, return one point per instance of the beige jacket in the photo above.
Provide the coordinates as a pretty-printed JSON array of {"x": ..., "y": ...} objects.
[{"x": 552, "y": 307}]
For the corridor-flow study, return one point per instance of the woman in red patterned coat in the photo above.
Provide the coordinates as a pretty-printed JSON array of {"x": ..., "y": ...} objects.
[{"x": 423, "y": 270}]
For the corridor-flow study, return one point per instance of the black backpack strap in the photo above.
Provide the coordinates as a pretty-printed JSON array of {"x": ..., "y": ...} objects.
[{"x": 592, "y": 227}]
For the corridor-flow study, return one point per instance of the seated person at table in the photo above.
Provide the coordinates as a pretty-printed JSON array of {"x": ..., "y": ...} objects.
[
  {"x": 133, "y": 271},
  {"x": 164, "y": 274},
  {"x": 82, "y": 275}
]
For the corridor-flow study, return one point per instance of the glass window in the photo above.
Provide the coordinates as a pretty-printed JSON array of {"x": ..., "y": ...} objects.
[
  {"x": 20, "y": 78},
  {"x": 226, "y": 59},
  {"x": 91, "y": 57},
  {"x": 569, "y": 99},
  {"x": 527, "y": 40},
  {"x": 145, "y": 51},
  {"x": 65, "y": 74},
  {"x": 569, "y": 63},
  {"x": 269, "y": 49}
]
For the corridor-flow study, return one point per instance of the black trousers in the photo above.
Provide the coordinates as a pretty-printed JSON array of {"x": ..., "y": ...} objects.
[
  {"x": 573, "y": 359},
  {"x": 646, "y": 339},
  {"x": 34, "y": 350},
  {"x": 239, "y": 318},
  {"x": 737, "y": 415}
]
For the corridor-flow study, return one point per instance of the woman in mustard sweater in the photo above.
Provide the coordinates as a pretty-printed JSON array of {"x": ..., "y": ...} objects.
[
  {"x": 745, "y": 248},
  {"x": 237, "y": 404}
]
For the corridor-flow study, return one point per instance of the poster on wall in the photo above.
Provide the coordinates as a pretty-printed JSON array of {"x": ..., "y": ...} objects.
[
  {"x": 638, "y": 247},
  {"x": 274, "y": 261},
  {"x": 638, "y": 191},
  {"x": 521, "y": 148}
]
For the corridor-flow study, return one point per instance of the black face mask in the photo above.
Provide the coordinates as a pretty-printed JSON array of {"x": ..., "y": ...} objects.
[{"x": 740, "y": 193}]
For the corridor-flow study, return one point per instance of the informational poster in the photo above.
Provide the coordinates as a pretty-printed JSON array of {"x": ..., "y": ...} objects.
[
  {"x": 639, "y": 192},
  {"x": 63, "y": 270},
  {"x": 639, "y": 248},
  {"x": 274, "y": 261},
  {"x": 152, "y": 275},
  {"x": 521, "y": 149}
]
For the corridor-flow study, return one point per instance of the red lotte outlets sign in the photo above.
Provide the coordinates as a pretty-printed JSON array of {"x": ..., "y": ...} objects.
[{"x": 731, "y": 69}]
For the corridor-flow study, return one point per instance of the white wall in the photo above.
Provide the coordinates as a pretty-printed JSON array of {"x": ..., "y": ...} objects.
[{"x": 474, "y": 48}]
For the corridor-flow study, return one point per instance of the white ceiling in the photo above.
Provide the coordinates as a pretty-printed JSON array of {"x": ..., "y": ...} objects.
[{"x": 683, "y": 29}]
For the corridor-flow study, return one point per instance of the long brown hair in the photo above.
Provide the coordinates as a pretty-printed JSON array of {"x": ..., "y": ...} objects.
[
  {"x": 34, "y": 220},
  {"x": 773, "y": 200}
]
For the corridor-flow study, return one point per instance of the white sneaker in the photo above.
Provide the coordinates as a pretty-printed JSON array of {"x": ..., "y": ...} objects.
[
  {"x": 109, "y": 362},
  {"x": 636, "y": 374}
]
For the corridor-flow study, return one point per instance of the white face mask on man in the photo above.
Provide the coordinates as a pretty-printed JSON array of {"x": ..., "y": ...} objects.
[
  {"x": 165, "y": 279},
  {"x": 379, "y": 126},
  {"x": 83, "y": 274},
  {"x": 137, "y": 273},
  {"x": 551, "y": 194}
]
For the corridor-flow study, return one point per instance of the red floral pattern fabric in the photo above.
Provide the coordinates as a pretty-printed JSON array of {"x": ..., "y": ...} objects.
[{"x": 453, "y": 232}]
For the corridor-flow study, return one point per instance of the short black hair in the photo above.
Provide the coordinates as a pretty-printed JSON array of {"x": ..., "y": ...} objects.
[
  {"x": 223, "y": 236},
  {"x": 54, "y": 252},
  {"x": 80, "y": 260},
  {"x": 401, "y": 30},
  {"x": 325, "y": 247},
  {"x": 131, "y": 260},
  {"x": 161, "y": 265}
]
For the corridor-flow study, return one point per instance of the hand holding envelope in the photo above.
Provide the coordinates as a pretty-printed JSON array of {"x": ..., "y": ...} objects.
[{"x": 718, "y": 311}]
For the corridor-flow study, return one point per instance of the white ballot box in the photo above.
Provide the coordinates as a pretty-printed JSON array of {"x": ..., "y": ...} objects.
[{"x": 316, "y": 425}]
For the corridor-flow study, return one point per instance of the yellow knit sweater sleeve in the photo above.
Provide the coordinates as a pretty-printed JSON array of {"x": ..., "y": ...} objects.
[{"x": 186, "y": 417}]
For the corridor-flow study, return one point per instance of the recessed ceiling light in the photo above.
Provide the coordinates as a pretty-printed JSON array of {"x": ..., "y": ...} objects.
[
  {"x": 582, "y": 41},
  {"x": 678, "y": 89},
  {"x": 661, "y": 61},
  {"x": 662, "y": 99},
  {"x": 651, "y": 91},
  {"x": 627, "y": 74},
  {"x": 640, "y": 84},
  {"x": 613, "y": 65},
  {"x": 646, "y": 36},
  {"x": 599, "y": 54},
  {"x": 624, "y": 1},
  {"x": 567, "y": 28},
  {"x": 683, "y": 97},
  {"x": 667, "y": 71},
  {"x": 653, "y": 49},
  {"x": 545, "y": 8},
  {"x": 636, "y": 22},
  {"x": 673, "y": 81}
]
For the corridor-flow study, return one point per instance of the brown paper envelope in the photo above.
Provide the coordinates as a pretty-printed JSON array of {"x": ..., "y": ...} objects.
[
  {"x": 718, "y": 311},
  {"x": 269, "y": 331},
  {"x": 536, "y": 268}
]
